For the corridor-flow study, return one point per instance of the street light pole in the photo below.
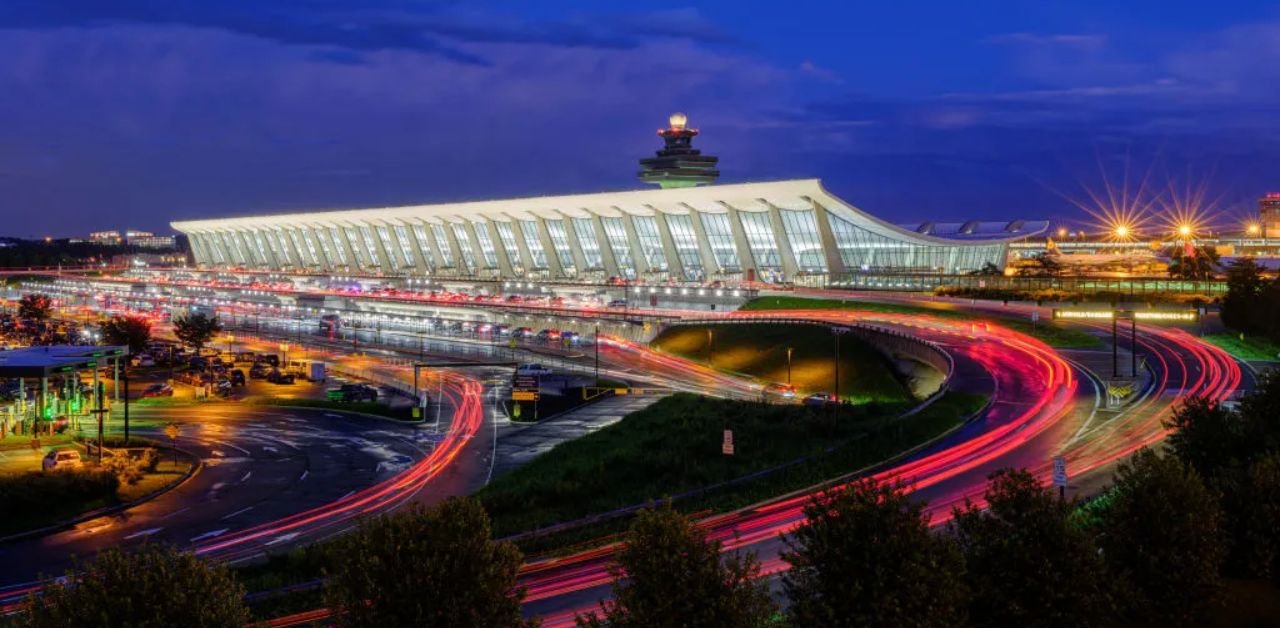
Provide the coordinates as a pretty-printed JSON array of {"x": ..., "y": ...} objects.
[
  {"x": 1133, "y": 344},
  {"x": 789, "y": 366},
  {"x": 597, "y": 347}
]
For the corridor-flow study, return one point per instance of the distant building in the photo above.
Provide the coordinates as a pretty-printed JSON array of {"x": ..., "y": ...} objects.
[
  {"x": 111, "y": 238},
  {"x": 147, "y": 240},
  {"x": 1269, "y": 215}
]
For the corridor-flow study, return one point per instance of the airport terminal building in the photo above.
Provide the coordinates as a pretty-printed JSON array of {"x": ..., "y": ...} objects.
[
  {"x": 775, "y": 231},
  {"x": 686, "y": 230}
]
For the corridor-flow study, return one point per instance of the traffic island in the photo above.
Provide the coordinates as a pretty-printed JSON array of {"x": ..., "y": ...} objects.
[
  {"x": 39, "y": 497},
  {"x": 675, "y": 448}
]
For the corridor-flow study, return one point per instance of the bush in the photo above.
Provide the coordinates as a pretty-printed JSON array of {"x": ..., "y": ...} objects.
[
  {"x": 126, "y": 469},
  {"x": 36, "y": 489},
  {"x": 151, "y": 587}
]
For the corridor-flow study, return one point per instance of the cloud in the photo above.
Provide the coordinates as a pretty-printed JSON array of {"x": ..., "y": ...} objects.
[{"x": 1086, "y": 42}]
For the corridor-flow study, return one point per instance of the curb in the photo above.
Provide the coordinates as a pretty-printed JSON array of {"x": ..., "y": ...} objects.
[{"x": 109, "y": 510}]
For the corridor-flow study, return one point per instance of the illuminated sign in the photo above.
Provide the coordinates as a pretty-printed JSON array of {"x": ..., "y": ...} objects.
[
  {"x": 1165, "y": 316},
  {"x": 1085, "y": 314}
]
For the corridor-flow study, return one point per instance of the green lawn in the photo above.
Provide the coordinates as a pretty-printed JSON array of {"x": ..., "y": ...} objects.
[
  {"x": 1248, "y": 348},
  {"x": 1049, "y": 333},
  {"x": 674, "y": 447},
  {"x": 760, "y": 351}
]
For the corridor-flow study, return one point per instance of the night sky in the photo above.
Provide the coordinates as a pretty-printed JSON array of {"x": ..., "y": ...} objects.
[{"x": 116, "y": 113}]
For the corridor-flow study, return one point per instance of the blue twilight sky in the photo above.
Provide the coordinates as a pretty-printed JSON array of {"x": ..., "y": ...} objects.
[{"x": 133, "y": 112}]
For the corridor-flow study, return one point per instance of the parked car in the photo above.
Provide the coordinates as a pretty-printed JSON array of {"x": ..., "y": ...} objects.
[
  {"x": 144, "y": 361},
  {"x": 270, "y": 358},
  {"x": 352, "y": 392},
  {"x": 259, "y": 370},
  {"x": 549, "y": 334},
  {"x": 278, "y": 377},
  {"x": 522, "y": 332},
  {"x": 820, "y": 399},
  {"x": 157, "y": 390},
  {"x": 532, "y": 369},
  {"x": 237, "y": 377},
  {"x": 59, "y": 459},
  {"x": 618, "y": 303}
]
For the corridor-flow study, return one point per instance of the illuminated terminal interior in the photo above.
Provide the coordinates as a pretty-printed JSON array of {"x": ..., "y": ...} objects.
[{"x": 770, "y": 232}]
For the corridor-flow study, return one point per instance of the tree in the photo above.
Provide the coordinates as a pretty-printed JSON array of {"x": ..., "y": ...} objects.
[
  {"x": 1161, "y": 536},
  {"x": 1028, "y": 564},
  {"x": 133, "y": 331},
  {"x": 35, "y": 306},
  {"x": 868, "y": 558},
  {"x": 1199, "y": 265},
  {"x": 1250, "y": 499},
  {"x": 1042, "y": 265},
  {"x": 988, "y": 269},
  {"x": 669, "y": 573},
  {"x": 1260, "y": 415},
  {"x": 195, "y": 329},
  {"x": 426, "y": 567},
  {"x": 1245, "y": 287},
  {"x": 1206, "y": 436},
  {"x": 154, "y": 586}
]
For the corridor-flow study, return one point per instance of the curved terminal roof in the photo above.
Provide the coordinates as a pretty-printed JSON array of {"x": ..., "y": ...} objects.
[
  {"x": 795, "y": 194},
  {"x": 980, "y": 229}
]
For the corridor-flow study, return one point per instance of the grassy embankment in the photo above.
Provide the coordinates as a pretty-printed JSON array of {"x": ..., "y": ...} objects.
[
  {"x": 1048, "y": 332},
  {"x": 760, "y": 351},
  {"x": 1245, "y": 347}
]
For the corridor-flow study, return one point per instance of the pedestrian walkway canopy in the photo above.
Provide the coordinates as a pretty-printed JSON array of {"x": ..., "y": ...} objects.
[{"x": 57, "y": 359}]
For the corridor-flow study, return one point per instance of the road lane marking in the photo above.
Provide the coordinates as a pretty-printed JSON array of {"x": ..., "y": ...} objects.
[
  {"x": 302, "y": 477},
  {"x": 178, "y": 511},
  {"x": 147, "y": 532},
  {"x": 238, "y": 512},
  {"x": 209, "y": 535},
  {"x": 247, "y": 475},
  {"x": 282, "y": 538}
]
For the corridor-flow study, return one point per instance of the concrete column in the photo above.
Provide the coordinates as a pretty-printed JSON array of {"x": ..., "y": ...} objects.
[
  {"x": 829, "y": 247},
  {"x": 790, "y": 266},
  {"x": 745, "y": 258},
  {"x": 606, "y": 248},
  {"x": 709, "y": 264},
  {"x": 669, "y": 245},
  {"x": 549, "y": 249}
]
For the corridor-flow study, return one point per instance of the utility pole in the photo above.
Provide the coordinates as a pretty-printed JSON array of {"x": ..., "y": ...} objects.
[
  {"x": 126, "y": 406},
  {"x": 789, "y": 366},
  {"x": 838, "y": 333},
  {"x": 1115, "y": 345},
  {"x": 1133, "y": 343},
  {"x": 102, "y": 392}
]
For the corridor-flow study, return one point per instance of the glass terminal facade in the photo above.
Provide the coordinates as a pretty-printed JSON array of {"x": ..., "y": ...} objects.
[{"x": 770, "y": 232}]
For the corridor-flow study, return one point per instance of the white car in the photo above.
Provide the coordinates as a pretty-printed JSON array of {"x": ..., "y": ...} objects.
[
  {"x": 532, "y": 369},
  {"x": 59, "y": 459},
  {"x": 146, "y": 360}
]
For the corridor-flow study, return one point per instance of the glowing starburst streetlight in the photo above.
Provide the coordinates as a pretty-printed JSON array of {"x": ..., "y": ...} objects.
[
  {"x": 1185, "y": 230},
  {"x": 1253, "y": 229}
]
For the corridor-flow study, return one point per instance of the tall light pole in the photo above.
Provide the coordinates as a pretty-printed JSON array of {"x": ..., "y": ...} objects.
[
  {"x": 597, "y": 347},
  {"x": 789, "y": 349},
  {"x": 709, "y": 348}
]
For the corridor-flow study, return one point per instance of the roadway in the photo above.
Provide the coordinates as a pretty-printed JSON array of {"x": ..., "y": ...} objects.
[{"x": 1042, "y": 406}]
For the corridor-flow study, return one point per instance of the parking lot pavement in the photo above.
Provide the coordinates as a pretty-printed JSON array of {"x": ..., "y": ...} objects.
[{"x": 519, "y": 443}]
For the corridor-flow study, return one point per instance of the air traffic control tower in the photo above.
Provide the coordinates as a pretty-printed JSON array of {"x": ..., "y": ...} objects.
[{"x": 679, "y": 164}]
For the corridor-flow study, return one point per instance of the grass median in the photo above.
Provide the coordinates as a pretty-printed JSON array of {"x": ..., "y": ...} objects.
[
  {"x": 673, "y": 449},
  {"x": 1047, "y": 332},
  {"x": 1245, "y": 347},
  {"x": 759, "y": 350}
]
